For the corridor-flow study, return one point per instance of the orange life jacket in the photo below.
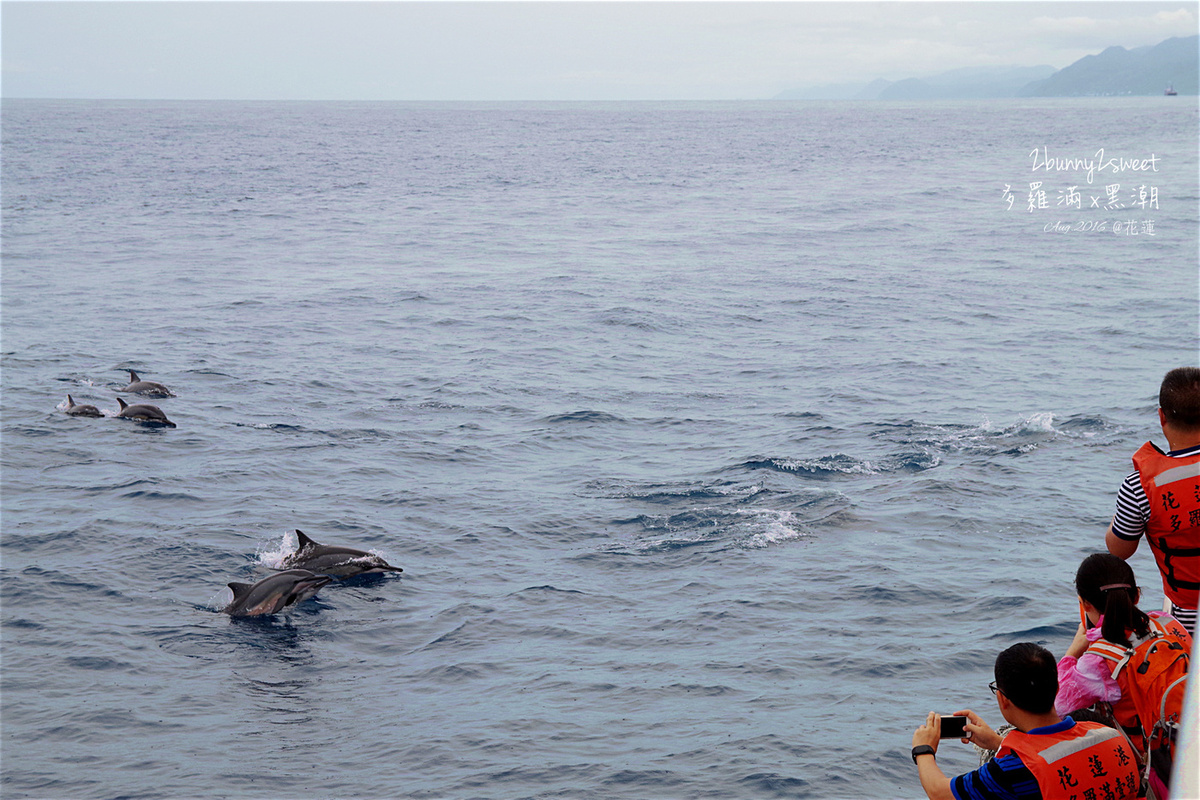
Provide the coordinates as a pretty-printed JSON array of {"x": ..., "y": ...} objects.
[
  {"x": 1086, "y": 756},
  {"x": 1152, "y": 674},
  {"x": 1172, "y": 485}
]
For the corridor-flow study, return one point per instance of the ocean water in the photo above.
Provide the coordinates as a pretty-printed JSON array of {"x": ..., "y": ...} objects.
[{"x": 719, "y": 443}]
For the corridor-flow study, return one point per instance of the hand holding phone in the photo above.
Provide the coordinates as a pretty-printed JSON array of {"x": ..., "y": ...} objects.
[{"x": 954, "y": 727}]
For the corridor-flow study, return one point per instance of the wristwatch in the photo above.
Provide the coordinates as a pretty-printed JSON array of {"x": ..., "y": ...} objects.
[{"x": 921, "y": 750}]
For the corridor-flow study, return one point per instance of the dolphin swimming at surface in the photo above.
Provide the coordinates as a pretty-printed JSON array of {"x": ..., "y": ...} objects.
[
  {"x": 143, "y": 412},
  {"x": 148, "y": 388},
  {"x": 81, "y": 409},
  {"x": 341, "y": 562},
  {"x": 274, "y": 593}
]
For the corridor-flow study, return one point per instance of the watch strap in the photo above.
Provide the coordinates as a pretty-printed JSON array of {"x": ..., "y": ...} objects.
[{"x": 921, "y": 750}]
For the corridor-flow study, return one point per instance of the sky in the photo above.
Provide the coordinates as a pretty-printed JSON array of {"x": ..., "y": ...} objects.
[{"x": 538, "y": 51}]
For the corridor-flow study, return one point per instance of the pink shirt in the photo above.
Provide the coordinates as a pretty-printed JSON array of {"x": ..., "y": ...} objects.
[{"x": 1087, "y": 679}]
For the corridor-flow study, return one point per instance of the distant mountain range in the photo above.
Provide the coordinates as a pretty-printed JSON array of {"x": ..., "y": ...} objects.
[
  {"x": 1116, "y": 71},
  {"x": 1143, "y": 70}
]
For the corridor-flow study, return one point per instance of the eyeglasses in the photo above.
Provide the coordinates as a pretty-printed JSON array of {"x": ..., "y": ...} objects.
[{"x": 993, "y": 687}]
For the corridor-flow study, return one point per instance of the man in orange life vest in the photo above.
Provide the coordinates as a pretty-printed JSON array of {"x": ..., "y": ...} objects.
[
  {"x": 1160, "y": 499},
  {"x": 1045, "y": 757}
]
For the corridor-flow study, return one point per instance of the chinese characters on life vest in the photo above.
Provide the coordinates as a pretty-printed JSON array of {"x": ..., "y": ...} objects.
[
  {"x": 1101, "y": 782},
  {"x": 1121, "y": 208}
]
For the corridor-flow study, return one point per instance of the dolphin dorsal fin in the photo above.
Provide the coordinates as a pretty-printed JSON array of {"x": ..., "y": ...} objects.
[
  {"x": 240, "y": 590},
  {"x": 124, "y": 405},
  {"x": 70, "y": 402},
  {"x": 133, "y": 377},
  {"x": 302, "y": 540}
]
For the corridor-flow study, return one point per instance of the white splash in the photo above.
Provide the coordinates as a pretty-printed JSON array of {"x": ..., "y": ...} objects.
[
  {"x": 220, "y": 600},
  {"x": 283, "y": 547},
  {"x": 769, "y": 527},
  {"x": 1043, "y": 421}
]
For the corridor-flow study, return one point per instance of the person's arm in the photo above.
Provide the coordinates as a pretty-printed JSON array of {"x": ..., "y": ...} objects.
[
  {"x": 1121, "y": 548},
  {"x": 933, "y": 780},
  {"x": 1128, "y": 523},
  {"x": 1075, "y": 690},
  {"x": 1078, "y": 645},
  {"x": 1082, "y": 681}
]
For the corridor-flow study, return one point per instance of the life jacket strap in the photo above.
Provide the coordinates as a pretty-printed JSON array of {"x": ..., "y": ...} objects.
[{"x": 1168, "y": 553}]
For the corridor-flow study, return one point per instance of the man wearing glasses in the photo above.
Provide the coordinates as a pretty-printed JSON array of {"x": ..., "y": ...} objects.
[{"x": 1045, "y": 757}]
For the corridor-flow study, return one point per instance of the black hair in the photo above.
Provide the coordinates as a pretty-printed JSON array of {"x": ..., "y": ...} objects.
[
  {"x": 1179, "y": 397},
  {"x": 1028, "y": 676},
  {"x": 1118, "y": 604}
]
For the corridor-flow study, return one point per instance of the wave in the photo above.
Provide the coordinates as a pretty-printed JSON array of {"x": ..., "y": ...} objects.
[
  {"x": 168, "y": 496},
  {"x": 751, "y": 518},
  {"x": 454, "y": 674},
  {"x": 24, "y": 624},
  {"x": 924, "y": 446},
  {"x": 987, "y": 437},
  {"x": 36, "y": 583},
  {"x": 583, "y": 416},
  {"x": 672, "y": 492},
  {"x": 772, "y": 784},
  {"x": 98, "y": 663},
  {"x": 813, "y": 415},
  {"x": 271, "y": 426},
  {"x": 624, "y": 317},
  {"x": 837, "y": 464},
  {"x": 110, "y": 487},
  {"x": 1040, "y": 633},
  {"x": 209, "y": 373},
  {"x": 545, "y": 594}
]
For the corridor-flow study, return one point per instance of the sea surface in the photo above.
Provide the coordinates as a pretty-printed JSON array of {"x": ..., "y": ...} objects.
[{"x": 719, "y": 443}]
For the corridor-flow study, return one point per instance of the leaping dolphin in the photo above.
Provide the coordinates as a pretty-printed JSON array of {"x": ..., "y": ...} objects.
[
  {"x": 341, "y": 562},
  {"x": 147, "y": 388},
  {"x": 274, "y": 593},
  {"x": 143, "y": 412},
  {"x": 81, "y": 409}
]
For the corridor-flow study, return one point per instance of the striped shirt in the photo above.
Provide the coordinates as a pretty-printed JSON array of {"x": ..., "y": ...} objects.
[
  {"x": 1004, "y": 778},
  {"x": 1132, "y": 515},
  {"x": 999, "y": 779}
]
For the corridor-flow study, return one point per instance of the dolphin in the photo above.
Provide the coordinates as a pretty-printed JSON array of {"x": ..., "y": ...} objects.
[
  {"x": 274, "y": 593},
  {"x": 341, "y": 562},
  {"x": 81, "y": 410},
  {"x": 143, "y": 412},
  {"x": 148, "y": 388}
]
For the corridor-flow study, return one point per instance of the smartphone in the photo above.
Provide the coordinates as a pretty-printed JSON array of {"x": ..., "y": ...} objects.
[{"x": 954, "y": 727}]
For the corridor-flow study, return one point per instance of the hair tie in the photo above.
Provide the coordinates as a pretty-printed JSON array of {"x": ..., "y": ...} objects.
[{"x": 1115, "y": 586}]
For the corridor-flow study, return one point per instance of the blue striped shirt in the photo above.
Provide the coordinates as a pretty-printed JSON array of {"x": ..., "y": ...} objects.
[{"x": 1004, "y": 778}]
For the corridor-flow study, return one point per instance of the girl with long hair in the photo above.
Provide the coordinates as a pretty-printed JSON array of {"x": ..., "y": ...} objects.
[{"x": 1115, "y": 639}]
